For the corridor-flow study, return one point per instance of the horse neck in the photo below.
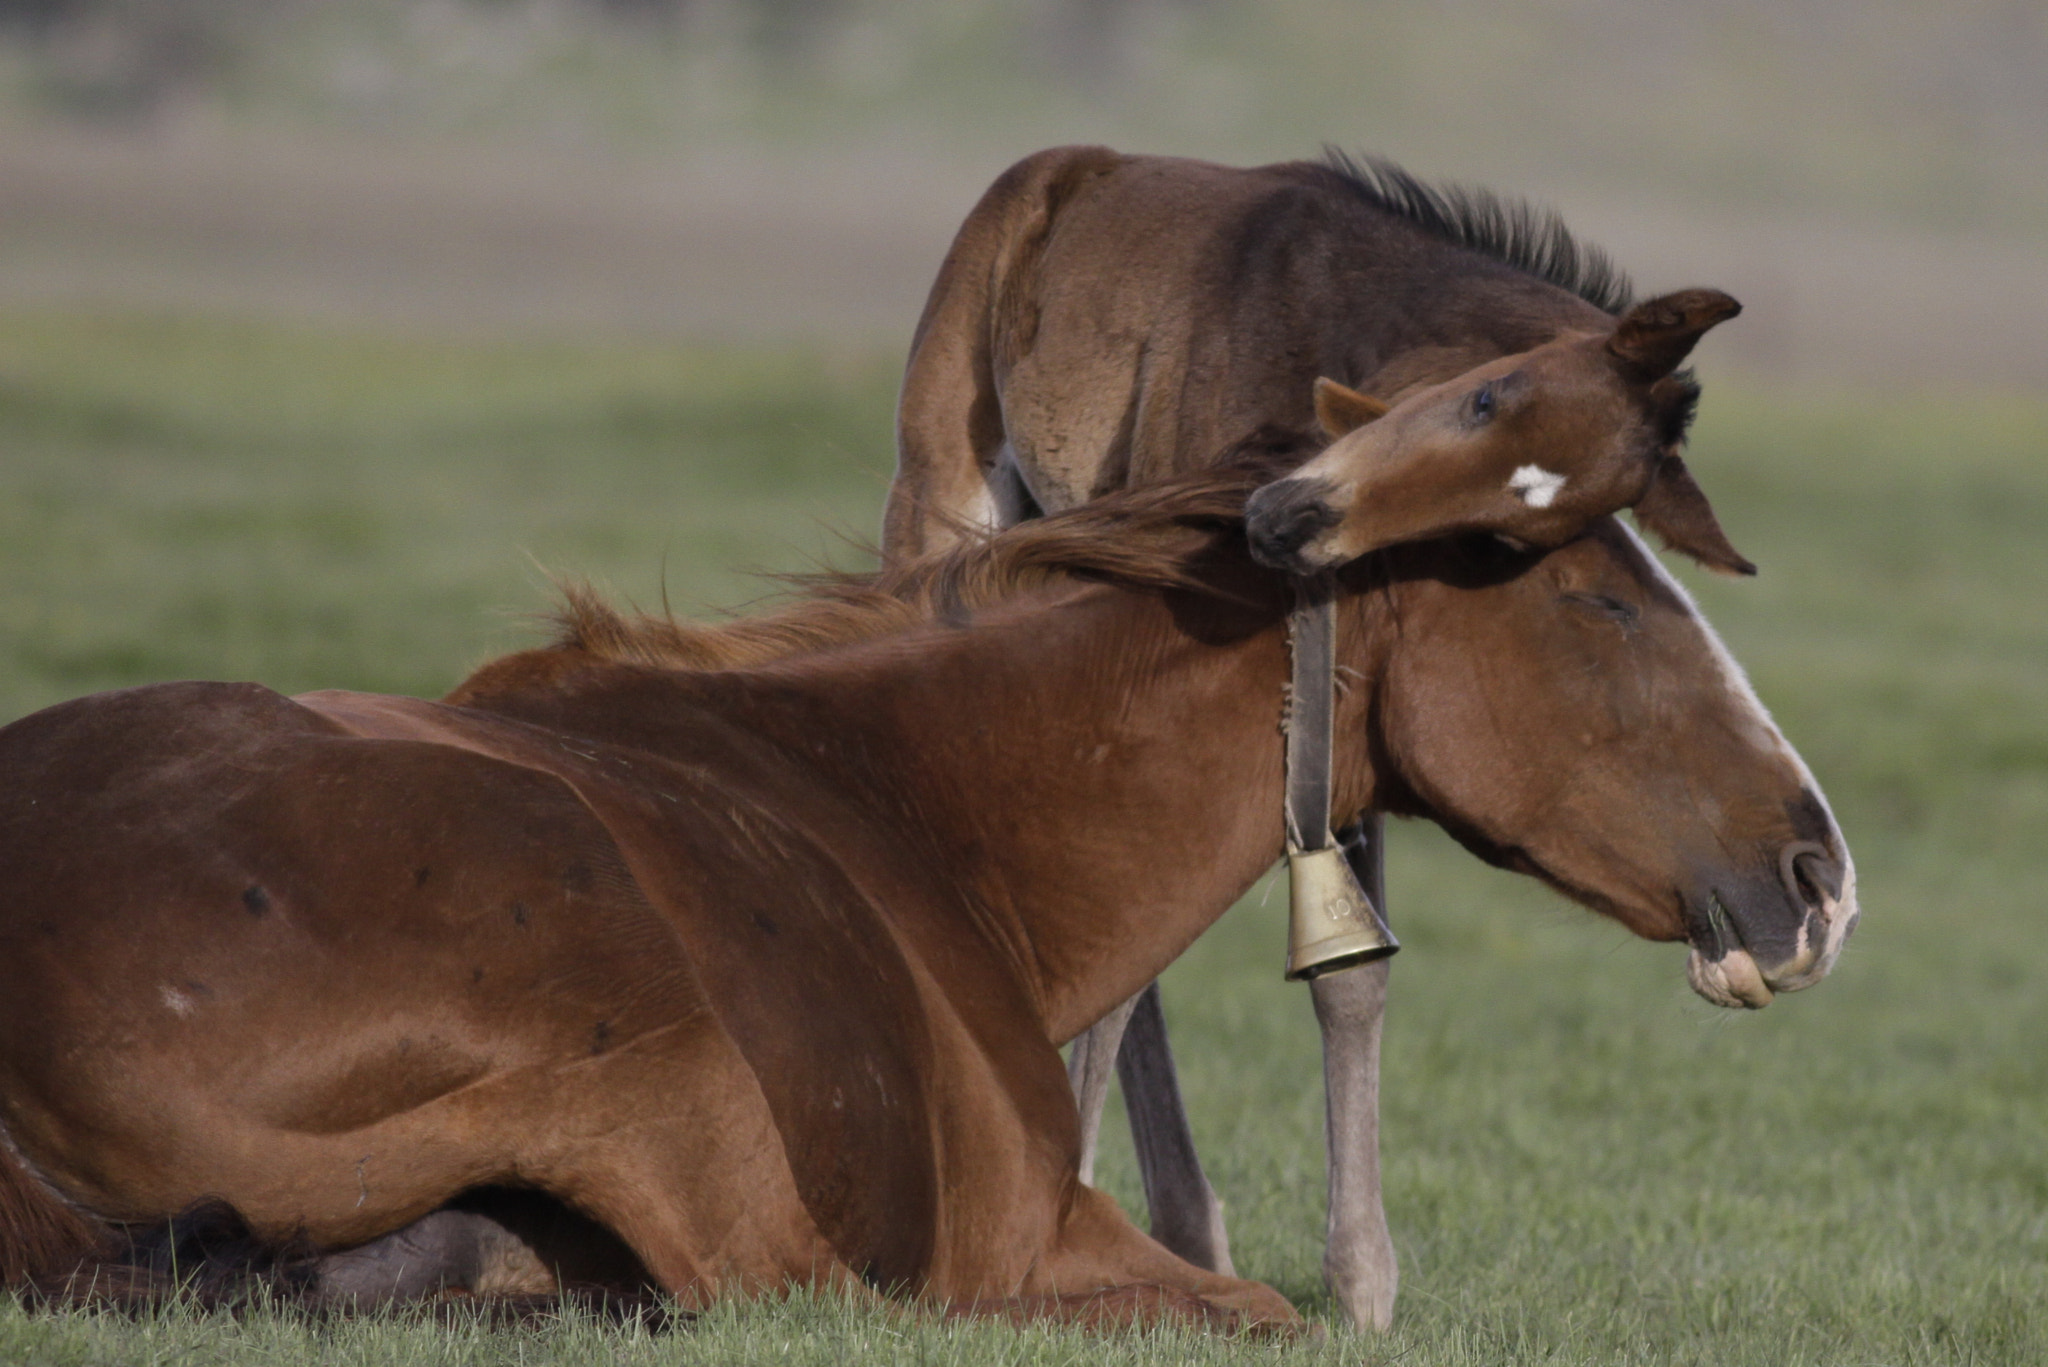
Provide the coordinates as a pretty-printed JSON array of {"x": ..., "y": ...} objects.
[
  {"x": 1104, "y": 782},
  {"x": 1419, "y": 311}
]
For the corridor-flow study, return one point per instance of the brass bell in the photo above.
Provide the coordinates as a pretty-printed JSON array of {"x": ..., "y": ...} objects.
[{"x": 1331, "y": 923}]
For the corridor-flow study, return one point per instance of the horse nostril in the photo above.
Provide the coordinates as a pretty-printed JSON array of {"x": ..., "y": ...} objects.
[
  {"x": 1811, "y": 874},
  {"x": 1282, "y": 518}
]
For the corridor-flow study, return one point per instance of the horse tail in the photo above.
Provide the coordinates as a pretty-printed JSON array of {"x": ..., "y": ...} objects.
[
  {"x": 41, "y": 1234},
  {"x": 981, "y": 313}
]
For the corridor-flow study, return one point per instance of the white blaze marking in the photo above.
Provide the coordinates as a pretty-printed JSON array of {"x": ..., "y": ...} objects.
[
  {"x": 1537, "y": 486},
  {"x": 178, "y": 1002},
  {"x": 1843, "y": 912}
]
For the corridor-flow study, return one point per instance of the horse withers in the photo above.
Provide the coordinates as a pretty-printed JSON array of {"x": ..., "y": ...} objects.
[
  {"x": 754, "y": 945},
  {"x": 1102, "y": 321}
]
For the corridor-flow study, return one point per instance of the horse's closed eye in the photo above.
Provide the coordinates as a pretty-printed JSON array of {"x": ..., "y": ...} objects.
[{"x": 1611, "y": 608}]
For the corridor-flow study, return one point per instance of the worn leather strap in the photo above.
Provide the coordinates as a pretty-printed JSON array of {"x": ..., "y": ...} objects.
[{"x": 1311, "y": 705}]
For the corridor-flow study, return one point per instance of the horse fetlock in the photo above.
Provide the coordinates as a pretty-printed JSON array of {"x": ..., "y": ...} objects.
[{"x": 1195, "y": 1230}]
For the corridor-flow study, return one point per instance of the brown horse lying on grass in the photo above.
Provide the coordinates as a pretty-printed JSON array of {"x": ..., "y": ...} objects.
[{"x": 755, "y": 944}]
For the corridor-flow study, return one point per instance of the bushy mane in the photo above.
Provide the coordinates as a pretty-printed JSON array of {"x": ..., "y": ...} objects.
[
  {"x": 1142, "y": 538},
  {"x": 1511, "y": 231}
]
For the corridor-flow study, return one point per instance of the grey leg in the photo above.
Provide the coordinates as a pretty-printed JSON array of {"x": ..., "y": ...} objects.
[
  {"x": 1358, "y": 1260},
  {"x": 512, "y": 1245},
  {"x": 1186, "y": 1216},
  {"x": 449, "y": 1250},
  {"x": 1089, "y": 1066}
]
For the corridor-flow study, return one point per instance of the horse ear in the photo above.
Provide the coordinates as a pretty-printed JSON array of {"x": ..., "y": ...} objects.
[
  {"x": 1676, "y": 509},
  {"x": 1340, "y": 410},
  {"x": 1657, "y": 334}
]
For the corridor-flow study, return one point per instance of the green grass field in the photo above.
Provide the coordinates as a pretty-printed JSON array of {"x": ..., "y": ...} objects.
[{"x": 1585, "y": 1164}]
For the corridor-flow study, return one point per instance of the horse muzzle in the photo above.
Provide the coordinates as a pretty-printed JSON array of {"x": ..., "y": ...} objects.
[
  {"x": 1285, "y": 521},
  {"x": 1725, "y": 970}
]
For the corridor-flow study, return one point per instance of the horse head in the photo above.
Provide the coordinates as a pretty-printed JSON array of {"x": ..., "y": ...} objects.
[
  {"x": 1532, "y": 447},
  {"x": 1570, "y": 714}
]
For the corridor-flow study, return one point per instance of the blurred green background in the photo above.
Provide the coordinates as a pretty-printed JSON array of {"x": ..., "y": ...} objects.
[{"x": 329, "y": 331}]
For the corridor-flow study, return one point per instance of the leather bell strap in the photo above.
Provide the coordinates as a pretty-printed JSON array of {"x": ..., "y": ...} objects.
[{"x": 1311, "y": 706}]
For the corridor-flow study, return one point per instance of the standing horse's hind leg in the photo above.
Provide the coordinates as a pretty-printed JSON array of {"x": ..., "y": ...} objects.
[
  {"x": 1358, "y": 1260},
  {"x": 1090, "y": 1064},
  {"x": 1186, "y": 1216}
]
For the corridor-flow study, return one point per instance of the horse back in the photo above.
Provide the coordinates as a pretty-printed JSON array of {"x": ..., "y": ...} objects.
[
  {"x": 1103, "y": 321},
  {"x": 1106, "y": 321}
]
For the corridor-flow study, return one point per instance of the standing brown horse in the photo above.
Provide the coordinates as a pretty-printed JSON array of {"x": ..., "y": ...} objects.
[
  {"x": 1102, "y": 321},
  {"x": 755, "y": 944}
]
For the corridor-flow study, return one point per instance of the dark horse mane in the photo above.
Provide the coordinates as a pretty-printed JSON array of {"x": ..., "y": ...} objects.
[
  {"x": 1511, "y": 231},
  {"x": 1141, "y": 538}
]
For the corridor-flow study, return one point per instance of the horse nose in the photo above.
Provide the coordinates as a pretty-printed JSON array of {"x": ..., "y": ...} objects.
[
  {"x": 1811, "y": 875},
  {"x": 1282, "y": 518},
  {"x": 1815, "y": 880}
]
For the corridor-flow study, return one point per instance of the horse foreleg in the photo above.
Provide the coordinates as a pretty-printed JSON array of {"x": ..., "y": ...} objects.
[
  {"x": 1105, "y": 1272},
  {"x": 1358, "y": 1261},
  {"x": 1090, "y": 1064},
  {"x": 1358, "y": 1258},
  {"x": 1186, "y": 1216}
]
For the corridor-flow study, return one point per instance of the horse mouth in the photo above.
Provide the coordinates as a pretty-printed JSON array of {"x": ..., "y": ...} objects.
[
  {"x": 1730, "y": 975},
  {"x": 1733, "y": 980}
]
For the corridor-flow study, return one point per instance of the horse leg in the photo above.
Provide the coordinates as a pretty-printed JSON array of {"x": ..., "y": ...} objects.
[
  {"x": 1089, "y": 1066},
  {"x": 1186, "y": 1216},
  {"x": 497, "y": 1241},
  {"x": 449, "y": 1250},
  {"x": 1121, "y": 1277},
  {"x": 1358, "y": 1258}
]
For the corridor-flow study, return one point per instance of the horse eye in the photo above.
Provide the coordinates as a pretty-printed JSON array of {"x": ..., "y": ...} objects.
[
  {"x": 1611, "y": 608},
  {"x": 1482, "y": 402}
]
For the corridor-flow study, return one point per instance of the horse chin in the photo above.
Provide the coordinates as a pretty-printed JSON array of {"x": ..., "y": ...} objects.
[{"x": 1731, "y": 980}]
